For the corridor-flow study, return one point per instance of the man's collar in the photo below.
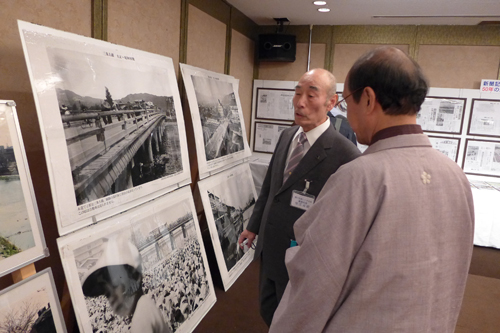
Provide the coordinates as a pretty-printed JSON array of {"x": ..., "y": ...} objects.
[
  {"x": 316, "y": 132},
  {"x": 389, "y": 132}
]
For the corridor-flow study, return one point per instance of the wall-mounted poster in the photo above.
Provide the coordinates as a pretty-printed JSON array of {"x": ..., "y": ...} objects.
[
  {"x": 275, "y": 104},
  {"x": 111, "y": 122},
  {"x": 448, "y": 146},
  {"x": 482, "y": 158},
  {"x": 21, "y": 235},
  {"x": 485, "y": 117},
  {"x": 266, "y": 136},
  {"x": 32, "y": 306},
  {"x": 142, "y": 271},
  {"x": 219, "y": 128},
  {"x": 228, "y": 199},
  {"x": 442, "y": 114}
]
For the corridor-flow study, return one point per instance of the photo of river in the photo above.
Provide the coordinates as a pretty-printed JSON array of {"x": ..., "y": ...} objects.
[{"x": 14, "y": 222}]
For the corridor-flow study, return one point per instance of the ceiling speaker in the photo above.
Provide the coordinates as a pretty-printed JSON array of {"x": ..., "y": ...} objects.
[{"x": 277, "y": 47}]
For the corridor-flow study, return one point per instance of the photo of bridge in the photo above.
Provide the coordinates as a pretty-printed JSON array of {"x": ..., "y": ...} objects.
[
  {"x": 220, "y": 120},
  {"x": 120, "y": 134}
]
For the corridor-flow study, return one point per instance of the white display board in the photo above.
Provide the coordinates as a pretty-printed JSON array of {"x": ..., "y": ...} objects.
[
  {"x": 218, "y": 123},
  {"x": 111, "y": 122},
  {"x": 32, "y": 305},
  {"x": 228, "y": 200},
  {"x": 21, "y": 234},
  {"x": 159, "y": 244}
]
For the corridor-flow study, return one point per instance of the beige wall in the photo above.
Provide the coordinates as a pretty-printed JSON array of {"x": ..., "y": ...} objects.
[
  {"x": 346, "y": 54},
  {"x": 206, "y": 44},
  {"x": 452, "y": 66},
  {"x": 241, "y": 67},
  {"x": 152, "y": 26}
]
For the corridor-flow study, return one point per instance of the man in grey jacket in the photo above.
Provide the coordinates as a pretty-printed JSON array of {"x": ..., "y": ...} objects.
[{"x": 392, "y": 252}]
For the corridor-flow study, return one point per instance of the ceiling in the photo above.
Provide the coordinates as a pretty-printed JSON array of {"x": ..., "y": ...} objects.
[{"x": 371, "y": 12}]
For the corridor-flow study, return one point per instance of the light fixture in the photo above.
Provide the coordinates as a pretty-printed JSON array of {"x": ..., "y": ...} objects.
[
  {"x": 323, "y": 10},
  {"x": 319, "y": 3}
]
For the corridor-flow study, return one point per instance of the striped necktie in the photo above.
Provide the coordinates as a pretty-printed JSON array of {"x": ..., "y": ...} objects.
[{"x": 296, "y": 156}]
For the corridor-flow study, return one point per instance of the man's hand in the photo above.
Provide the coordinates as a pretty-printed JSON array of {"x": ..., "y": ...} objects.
[{"x": 250, "y": 236}]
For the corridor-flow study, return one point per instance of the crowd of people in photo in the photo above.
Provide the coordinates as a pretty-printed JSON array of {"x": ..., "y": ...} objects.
[{"x": 178, "y": 286}]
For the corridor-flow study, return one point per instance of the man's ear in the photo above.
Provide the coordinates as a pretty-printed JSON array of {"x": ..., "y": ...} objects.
[
  {"x": 370, "y": 98},
  {"x": 332, "y": 101}
]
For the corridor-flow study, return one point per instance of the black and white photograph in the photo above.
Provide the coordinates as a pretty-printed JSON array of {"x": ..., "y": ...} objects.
[
  {"x": 485, "y": 118},
  {"x": 145, "y": 271},
  {"x": 228, "y": 199},
  {"x": 217, "y": 118},
  {"x": 442, "y": 115},
  {"x": 21, "y": 237},
  {"x": 32, "y": 306},
  {"x": 112, "y": 120},
  {"x": 482, "y": 158},
  {"x": 446, "y": 145}
]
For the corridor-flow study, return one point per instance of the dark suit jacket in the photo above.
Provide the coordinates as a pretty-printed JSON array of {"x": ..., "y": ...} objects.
[{"x": 273, "y": 217}]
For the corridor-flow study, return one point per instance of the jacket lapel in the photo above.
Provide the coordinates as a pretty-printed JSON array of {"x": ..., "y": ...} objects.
[{"x": 281, "y": 158}]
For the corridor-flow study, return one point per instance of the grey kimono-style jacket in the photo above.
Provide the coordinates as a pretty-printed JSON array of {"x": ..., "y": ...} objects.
[{"x": 385, "y": 248}]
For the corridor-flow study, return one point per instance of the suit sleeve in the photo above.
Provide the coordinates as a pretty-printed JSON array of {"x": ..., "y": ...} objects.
[{"x": 260, "y": 205}]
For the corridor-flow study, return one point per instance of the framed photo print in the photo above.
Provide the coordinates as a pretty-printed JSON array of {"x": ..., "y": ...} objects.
[
  {"x": 274, "y": 104},
  {"x": 111, "y": 122},
  {"x": 142, "y": 271},
  {"x": 482, "y": 158},
  {"x": 219, "y": 127},
  {"x": 228, "y": 199},
  {"x": 442, "y": 115},
  {"x": 21, "y": 234},
  {"x": 266, "y": 136},
  {"x": 32, "y": 305},
  {"x": 485, "y": 118},
  {"x": 448, "y": 146}
]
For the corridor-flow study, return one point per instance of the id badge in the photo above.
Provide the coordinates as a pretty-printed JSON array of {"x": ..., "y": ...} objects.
[{"x": 302, "y": 200}]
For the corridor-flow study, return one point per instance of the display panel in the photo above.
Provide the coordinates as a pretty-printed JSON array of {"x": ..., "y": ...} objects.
[
  {"x": 144, "y": 270},
  {"x": 219, "y": 128},
  {"x": 448, "y": 146},
  {"x": 228, "y": 199},
  {"x": 21, "y": 235},
  {"x": 111, "y": 122},
  {"x": 266, "y": 136},
  {"x": 275, "y": 104},
  {"x": 442, "y": 115},
  {"x": 485, "y": 118},
  {"x": 32, "y": 305},
  {"x": 482, "y": 158}
]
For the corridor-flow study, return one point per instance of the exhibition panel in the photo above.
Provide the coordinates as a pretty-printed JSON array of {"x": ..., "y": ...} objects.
[
  {"x": 21, "y": 235},
  {"x": 111, "y": 122}
]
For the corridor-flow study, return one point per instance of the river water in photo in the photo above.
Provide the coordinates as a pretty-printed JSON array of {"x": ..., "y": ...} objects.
[{"x": 14, "y": 221}]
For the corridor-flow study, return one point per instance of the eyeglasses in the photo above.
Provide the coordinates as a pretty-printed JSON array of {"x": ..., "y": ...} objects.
[{"x": 342, "y": 104}]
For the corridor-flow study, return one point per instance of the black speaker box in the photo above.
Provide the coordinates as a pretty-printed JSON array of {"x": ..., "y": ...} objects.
[{"x": 277, "y": 47}]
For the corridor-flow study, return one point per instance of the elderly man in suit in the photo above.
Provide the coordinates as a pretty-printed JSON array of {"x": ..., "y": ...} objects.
[
  {"x": 304, "y": 158},
  {"x": 391, "y": 253}
]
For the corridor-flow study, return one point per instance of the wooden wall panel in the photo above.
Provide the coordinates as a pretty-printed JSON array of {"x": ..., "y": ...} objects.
[
  {"x": 241, "y": 67},
  {"x": 292, "y": 71},
  {"x": 453, "y": 66},
  {"x": 151, "y": 25},
  {"x": 206, "y": 44},
  {"x": 345, "y": 55}
]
